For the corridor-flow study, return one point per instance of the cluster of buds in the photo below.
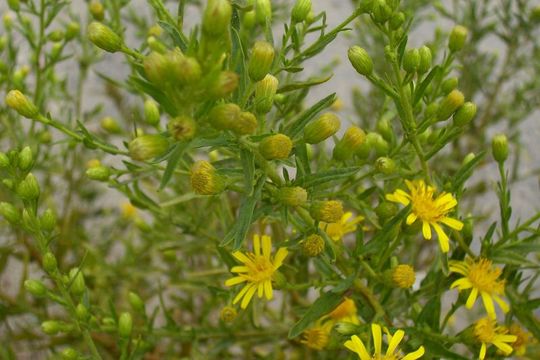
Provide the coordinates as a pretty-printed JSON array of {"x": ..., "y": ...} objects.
[
  {"x": 205, "y": 180},
  {"x": 417, "y": 60},
  {"x": 230, "y": 117}
]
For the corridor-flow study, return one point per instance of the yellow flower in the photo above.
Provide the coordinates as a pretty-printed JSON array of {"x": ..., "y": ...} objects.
[
  {"x": 345, "y": 312},
  {"x": 430, "y": 209},
  {"x": 403, "y": 276},
  {"x": 482, "y": 278},
  {"x": 487, "y": 332},
  {"x": 522, "y": 339},
  {"x": 317, "y": 337},
  {"x": 128, "y": 210},
  {"x": 336, "y": 231},
  {"x": 356, "y": 345},
  {"x": 257, "y": 270}
]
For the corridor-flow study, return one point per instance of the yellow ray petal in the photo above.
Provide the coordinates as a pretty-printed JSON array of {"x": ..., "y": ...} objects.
[
  {"x": 377, "y": 338},
  {"x": 426, "y": 230},
  {"x": 356, "y": 345},
  {"x": 242, "y": 293},
  {"x": 443, "y": 238},
  {"x": 248, "y": 296},
  {"x": 394, "y": 342},
  {"x": 482, "y": 354},
  {"x": 279, "y": 257},
  {"x": 453, "y": 223},
  {"x": 266, "y": 246},
  {"x": 472, "y": 298},
  {"x": 411, "y": 218},
  {"x": 488, "y": 304},
  {"x": 268, "y": 289},
  {"x": 235, "y": 280},
  {"x": 415, "y": 355}
]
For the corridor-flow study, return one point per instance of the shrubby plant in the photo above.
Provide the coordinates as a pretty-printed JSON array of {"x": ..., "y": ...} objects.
[{"x": 208, "y": 207}]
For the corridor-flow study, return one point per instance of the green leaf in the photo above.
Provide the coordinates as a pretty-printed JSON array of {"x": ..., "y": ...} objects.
[
  {"x": 174, "y": 159},
  {"x": 322, "y": 306},
  {"x": 381, "y": 239},
  {"x": 178, "y": 38},
  {"x": 421, "y": 89},
  {"x": 327, "y": 176},
  {"x": 310, "y": 113},
  {"x": 304, "y": 84},
  {"x": 465, "y": 171},
  {"x": 505, "y": 256},
  {"x": 248, "y": 165},
  {"x": 431, "y": 313}
]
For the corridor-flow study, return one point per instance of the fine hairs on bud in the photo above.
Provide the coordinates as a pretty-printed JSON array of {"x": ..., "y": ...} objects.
[
  {"x": 104, "y": 38},
  {"x": 21, "y": 104}
]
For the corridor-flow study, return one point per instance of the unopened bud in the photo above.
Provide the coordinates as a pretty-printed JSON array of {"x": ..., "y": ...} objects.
[
  {"x": 265, "y": 91},
  {"x": 411, "y": 60},
  {"x": 293, "y": 196},
  {"x": 313, "y": 245},
  {"x": 263, "y": 11},
  {"x": 9, "y": 212},
  {"x": 465, "y": 114},
  {"x": 260, "y": 62},
  {"x": 49, "y": 263},
  {"x": 322, "y": 128},
  {"x": 450, "y": 104},
  {"x": 69, "y": 354},
  {"x": 151, "y": 112},
  {"x": 329, "y": 211},
  {"x": 4, "y": 160},
  {"x": 225, "y": 83},
  {"x": 205, "y": 180},
  {"x": 96, "y": 10},
  {"x": 21, "y": 104},
  {"x": 449, "y": 84},
  {"x": 48, "y": 220},
  {"x": 76, "y": 279},
  {"x": 56, "y": 35},
  {"x": 35, "y": 287},
  {"x": 377, "y": 142},
  {"x": 468, "y": 158},
  {"x": 499, "y": 148},
  {"x": 182, "y": 128},
  {"x": 385, "y": 165},
  {"x": 217, "y": 17},
  {"x": 183, "y": 69},
  {"x": 346, "y": 328},
  {"x": 104, "y": 38},
  {"x": 98, "y": 173},
  {"x": 73, "y": 29},
  {"x": 277, "y": 146},
  {"x": 381, "y": 11},
  {"x": 125, "y": 325},
  {"x": 51, "y": 327},
  {"x": 136, "y": 302},
  {"x": 403, "y": 276},
  {"x": 535, "y": 14},
  {"x": 28, "y": 189},
  {"x": 156, "y": 67},
  {"x": 301, "y": 10},
  {"x": 457, "y": 38},
  {"x": 397, "y": 20},
  {"x": 385, "y": 211},
  {"x": 228, "y": 314},
  {"x": 110, "y": 125},
  {"x": 426, "y": 59},
  {"x": 351, "y": 142},
  {"x": 155, "y": 45},
  {"x": 14, "y": 5},
  {"x": 26, "y": 159},
  {"x": 360, "y": 60},
  {"x": 82, "y": 312},
  {"x": 146, "y": 147}
]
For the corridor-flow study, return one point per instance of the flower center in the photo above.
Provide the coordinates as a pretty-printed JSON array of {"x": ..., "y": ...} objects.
[
  {"x": 484, "y": 277},
  {"x": 261, "y": 268},
  {"x": 385, "y": 357},
  {"x": 484, "y": 330},
  {"x": 316, "y": 338},
  {"x": 425, "y": 207}
]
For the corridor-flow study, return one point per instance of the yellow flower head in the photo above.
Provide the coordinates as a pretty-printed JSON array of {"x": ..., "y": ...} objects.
[
  {"x": 430, "y": 209},
  {"x": 336, "y": 231},
  {"x": 523, "y": 339},
  {"x": 345, "y": 312},
  {"x": 482, "y": 278},
  {"x": 257, "y": 270},
  {"x": 317, "y": 337},
  {"x": 403, "y": 276},
  {"x": 128, "y": 210},
  {"x": 487, "y": 332},
  {"x": 356, "y": 345}
]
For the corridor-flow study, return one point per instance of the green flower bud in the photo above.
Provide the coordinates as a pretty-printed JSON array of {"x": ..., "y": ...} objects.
[
  {"x": 76, "y": 279},
  {"x": 277, "y": 146},
  {"x": 205, "y": 180},
  {"x": 360, "y": 60},
  {"x": 465, "y": 114},
  {"x": 457, "y": 38},
  {"x": 468, "y": 158},
  {"x": 449, "y": 84},
  {"x": 329, "y": 211},
  {"x": 260, "y": 62},
  {"x": 366, "y": 6},
  {"x": 228, "y": 314},
  {"x": 21, "y": 104},
  {"x": 146, "y": 147},
  {"x": 381, "y": 11},
  {"x": 182, "y": 128},
  {"x": 263, "y": 11},
  {"x": 48, "y": 220},
  {"x": 136, "y": 302},
  {"x": 151, "y": 112},
  {"x": 156, "y": 67},
  {"x": 125, "y": 325},
  {"x": 51, "y": 327},
  {"x": 249, "y": 20},
  {"x": 49, "y": 263},
  {"x": 499, "y": 148},
  {"x": 385, "y": 211},
  {"x": 385, "y": 129},
  {"x": 73, "y": 29},
  {"x": 9, "y": 212},
  {"x": 26, "y": 159},
  {"x": 397, "y": 20},
  {"x": 450, "y": 104},
  {"x": 322, "y": 128},
  {"x": 265, "y": 91},
  {"x": 217, "y": 17},
  {"x": 346, "y": 328},
  {"x": 411, "y": 60},
  {"x": 96, "y": 10},
  {"x": 56, "y": 35},
  {"x": 28, "y": 189},
  {"x": 14, "y": 5},
  {"x": 98, "y": 173},
  {"x": 45, "y": 137},
  {"x": 364, "y": 150},
  {"x": 224, "y": 116},
  {"x": 351, "y": 142},
  {"x": 426, "y": 59},
  {"x": 8, "y": 21},
  {"x": 246, "y": 124},
  {"x": 4, "y": 160},
  {"x": 535, "y": 14},
  {"x": 301, "y": 10},
  {"x": 313, "y": 245},
  {"x": 69, "y": 354},
  {"x": 110, "y": 125},
  {"x": 104, "y": 38},
  {"x": 292, "y": 196},
  {"x": 82, "y": 312},
  {"x": 29, "y": 221},
  {"x": 35, "y": 287},
  {"x": 385, "y": 165},
  {"x": 183, "y": 69},
  {"x": 377, "y": 142},
  {"x": 155, "y": 45},
  {"x": 224, "y": 84}
]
